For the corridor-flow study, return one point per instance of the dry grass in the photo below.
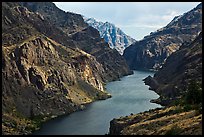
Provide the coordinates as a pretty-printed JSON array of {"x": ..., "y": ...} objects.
[{"x": 162, "y": 122}]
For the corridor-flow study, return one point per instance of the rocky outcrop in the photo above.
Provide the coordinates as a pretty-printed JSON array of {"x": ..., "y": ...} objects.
[
  {"x": 152, "y": 51},
  {"x": 19, "y": 23},
  {"x": 115, "y": 37},
  {"x": 150, "y": 81}
]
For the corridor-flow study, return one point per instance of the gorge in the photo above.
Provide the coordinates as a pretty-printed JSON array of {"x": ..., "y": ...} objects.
[
  {"x": 52, "y": 64},
  {"x": 57, "y": 70},
  {"x": 127, "y": 97}
]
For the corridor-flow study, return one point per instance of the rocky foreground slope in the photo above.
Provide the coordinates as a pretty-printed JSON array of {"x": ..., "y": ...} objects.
[
  {"x": 45, "y": 70},
  {"x": 179, "y": 84},
  {"x": 168, "y": 121},
  {"x": 115, "y": 37},
  {"x": 152, "y": 51}
]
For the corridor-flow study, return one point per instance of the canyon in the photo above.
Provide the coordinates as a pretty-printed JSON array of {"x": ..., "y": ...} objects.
[{"x": 54, "y": 63}]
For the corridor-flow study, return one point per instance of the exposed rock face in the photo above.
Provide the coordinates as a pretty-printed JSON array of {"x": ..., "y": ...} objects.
[
  {"x": 17, "y": 19},
  {"x": 152, "y": 51},
  {"x": 45, "y": 72},
  {"x": 40, "y": 78},
  {"x": 79, "y": 35},
  {"x": 166, "y": 121},
  {"x": 180, "y": 68},
  {"x": 115, "y": 37},
  {"x": 113, "y": 63}
]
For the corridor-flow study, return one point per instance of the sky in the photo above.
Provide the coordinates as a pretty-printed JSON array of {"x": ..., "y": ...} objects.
[{"x": 136, "y": 19}]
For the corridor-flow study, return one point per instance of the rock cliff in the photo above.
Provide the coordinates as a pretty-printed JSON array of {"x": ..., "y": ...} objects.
[
  {"x": 113, "y": 63},
  {"x": 80, "y": 35},
  {"x": 152, "y": 51},
  {"x": 48, "y": 69},
  {"x": 182, "y": 67},
  {"x": 43, "y": 78}
]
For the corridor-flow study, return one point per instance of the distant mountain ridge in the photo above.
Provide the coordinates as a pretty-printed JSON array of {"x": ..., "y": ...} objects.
[
  {"x": 116, "y": 38},
  {"x": 152, "y": 51}
]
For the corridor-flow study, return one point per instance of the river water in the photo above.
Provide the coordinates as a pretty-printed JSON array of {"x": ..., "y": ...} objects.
[{"x": 129, "y": 95}]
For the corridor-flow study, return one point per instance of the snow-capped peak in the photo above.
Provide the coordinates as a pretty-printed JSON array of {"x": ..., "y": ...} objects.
[{"x": 113, "y": 35}]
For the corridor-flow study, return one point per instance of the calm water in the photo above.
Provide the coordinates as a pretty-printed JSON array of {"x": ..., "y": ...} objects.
[{"x": 130, "y": 95}]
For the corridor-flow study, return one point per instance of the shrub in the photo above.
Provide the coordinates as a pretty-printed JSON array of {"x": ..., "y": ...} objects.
[
  {"x": 194, "y": 93},
  {"x": 187, "y": 107}
]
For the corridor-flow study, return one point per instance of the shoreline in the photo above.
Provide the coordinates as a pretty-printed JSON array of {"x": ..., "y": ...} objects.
[
  {"x": 87, "y": 104},
  {"x": 82, "y": 107}
]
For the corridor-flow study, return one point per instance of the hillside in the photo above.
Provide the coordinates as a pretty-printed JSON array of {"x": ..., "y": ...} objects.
[
  {"x": 180, "y": 69},
  {"x": 80, "y": 35},
  {"x": 179, "y": 84},
  {"x": 152, "y": 51},
  {"x": 46, "y": 71},
  {"x": 167, "y": 121}
]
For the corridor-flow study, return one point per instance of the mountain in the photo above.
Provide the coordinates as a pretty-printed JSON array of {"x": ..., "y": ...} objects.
[
  {"x": 115, "y": 37},
  {"x": 48, "y": 67},
  {"x": 152, "y": 51},
  {"x": 76, "y": 31},
  {"x": 179, "y": 84},
  {"x": 180, "y": 69}
]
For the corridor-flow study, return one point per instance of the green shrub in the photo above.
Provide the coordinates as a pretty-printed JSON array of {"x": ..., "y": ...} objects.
[
  {"x": 194, "y": 93},
  {"x": 187, "y": 107},
  {"x": 178, "y": 102},
  {"x": 198, "y": 109}
]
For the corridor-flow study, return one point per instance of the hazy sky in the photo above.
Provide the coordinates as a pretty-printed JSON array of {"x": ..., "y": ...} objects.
[{"x": 136, "y": 19}]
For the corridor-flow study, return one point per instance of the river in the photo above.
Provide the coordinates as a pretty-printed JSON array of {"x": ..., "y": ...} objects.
[{"x": 129, "y": 95}]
